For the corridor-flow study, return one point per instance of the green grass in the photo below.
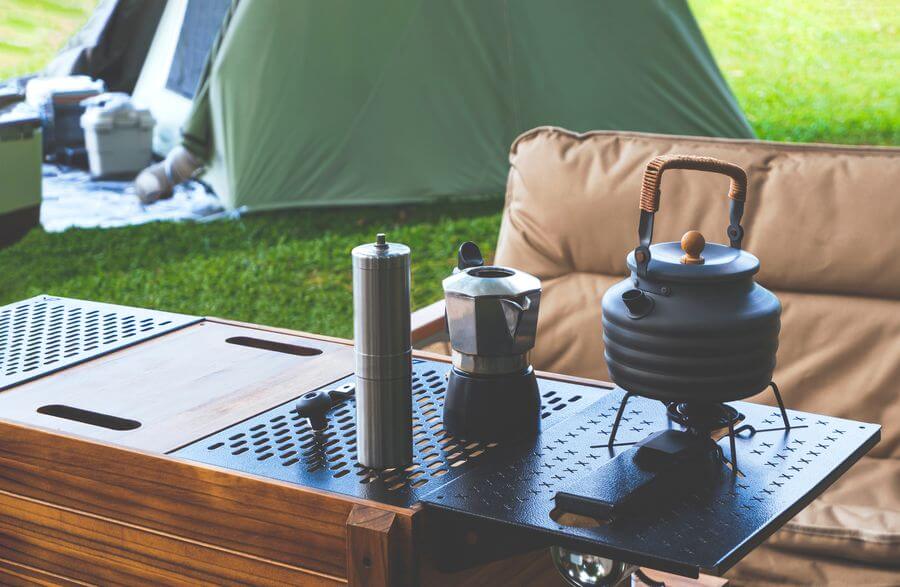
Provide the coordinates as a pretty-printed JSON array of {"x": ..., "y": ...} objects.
[
  {"x": 289, "y": 269},
  {"x": 32, "y": 31},
  {"x": 802, "y": 71},
  {"x": 810, "y": 71}
]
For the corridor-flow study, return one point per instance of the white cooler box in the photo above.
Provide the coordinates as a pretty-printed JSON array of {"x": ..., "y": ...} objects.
[
  {"x": 59, "y": 102},
  {"x": 118, "y": 136}
]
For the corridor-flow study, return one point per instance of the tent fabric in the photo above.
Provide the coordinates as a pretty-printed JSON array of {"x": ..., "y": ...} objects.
[
  {"x": 310, "y": 103},
  {"x": 112, "y": 45}
]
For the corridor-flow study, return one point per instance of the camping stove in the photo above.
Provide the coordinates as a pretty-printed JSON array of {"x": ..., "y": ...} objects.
[
  {"x": 703, "y": 420},
  {"x": 661, "y": 466}
]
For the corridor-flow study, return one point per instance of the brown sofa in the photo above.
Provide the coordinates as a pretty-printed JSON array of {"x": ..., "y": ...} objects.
[{"x": 825, "y": 223}]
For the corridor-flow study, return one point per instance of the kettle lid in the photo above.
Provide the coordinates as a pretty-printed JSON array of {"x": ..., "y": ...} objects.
[
  {"x": 695, "y": 260},
  {"x": 491, "y": 281}
]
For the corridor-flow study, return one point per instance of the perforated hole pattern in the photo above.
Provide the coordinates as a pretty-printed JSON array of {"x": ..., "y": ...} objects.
[
  {"x": 281, "y": 439},
  {"x": 43, "y": 334},
  {"x": 699, "y": 528}
]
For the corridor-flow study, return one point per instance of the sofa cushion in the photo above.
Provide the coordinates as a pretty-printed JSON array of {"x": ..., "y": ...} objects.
[
  {"x": 771, "y": 566},
  {"x": 571, "y": 217},
  {"x": 572, "y": 206},
  {"x": 820, "y": 220},
  {"x": 856, "y": 520}
]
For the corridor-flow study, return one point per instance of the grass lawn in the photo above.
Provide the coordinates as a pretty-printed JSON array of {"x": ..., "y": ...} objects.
[
  {"x": 31, "y": 31},
  {"x": 289, "y": 269},
  {"x": 802, "y": 71},
  {"x": 822, "y": 71}
]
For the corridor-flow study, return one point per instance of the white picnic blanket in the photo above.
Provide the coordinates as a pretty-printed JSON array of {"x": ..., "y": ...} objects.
[{"x": 72, "y": 199}]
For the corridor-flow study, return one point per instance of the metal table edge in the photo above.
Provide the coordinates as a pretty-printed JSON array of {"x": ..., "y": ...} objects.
[{"x": 725, "y": 564}]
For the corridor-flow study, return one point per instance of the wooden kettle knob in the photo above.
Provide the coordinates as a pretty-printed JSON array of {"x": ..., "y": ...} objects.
[{"x": 692, "y": 244}]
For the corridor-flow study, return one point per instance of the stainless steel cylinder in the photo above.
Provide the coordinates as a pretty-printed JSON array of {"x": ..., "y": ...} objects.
[
  {"x": 489, "y": 365},
  {"x": 381, "y": 334}
]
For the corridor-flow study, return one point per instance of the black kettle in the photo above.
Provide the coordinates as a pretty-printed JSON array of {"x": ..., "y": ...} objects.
[{"x": 691, "y": 324}]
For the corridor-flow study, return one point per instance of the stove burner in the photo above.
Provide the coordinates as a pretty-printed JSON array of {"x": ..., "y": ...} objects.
[{"x": 703, "y": 418}]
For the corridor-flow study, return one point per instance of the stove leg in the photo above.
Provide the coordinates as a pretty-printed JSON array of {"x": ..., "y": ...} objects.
[
  {"x": 615, "y": 428},
  {"x": 784, "y": 416},
  {"x": 734, "y": 467}
]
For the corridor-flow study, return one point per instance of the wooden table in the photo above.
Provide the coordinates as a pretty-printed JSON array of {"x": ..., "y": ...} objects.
[{"x": 87, "y": 504}]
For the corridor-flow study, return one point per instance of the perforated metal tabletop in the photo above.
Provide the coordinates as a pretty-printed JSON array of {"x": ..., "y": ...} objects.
[
  {"x": 279, "y": 444},
  {"x": 706, "y": 530}
]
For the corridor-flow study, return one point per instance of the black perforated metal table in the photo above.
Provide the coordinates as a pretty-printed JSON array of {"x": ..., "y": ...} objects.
[{"x": 509, "y": 490}]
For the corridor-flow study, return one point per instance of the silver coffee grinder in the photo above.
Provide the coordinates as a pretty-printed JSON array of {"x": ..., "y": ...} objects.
[
  {"x": 492, "y": 392},
  {"x": 381, "y": 279}
]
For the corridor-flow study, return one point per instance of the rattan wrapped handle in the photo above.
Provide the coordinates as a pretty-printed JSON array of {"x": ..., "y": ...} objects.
[{"x": 656, "y": 167}]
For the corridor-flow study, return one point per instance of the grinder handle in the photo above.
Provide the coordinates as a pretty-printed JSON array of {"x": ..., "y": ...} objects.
[{"x": 650, "y": 198}]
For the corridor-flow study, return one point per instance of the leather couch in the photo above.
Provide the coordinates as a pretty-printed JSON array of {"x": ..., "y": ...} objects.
[{"x": 825, "y": 223}]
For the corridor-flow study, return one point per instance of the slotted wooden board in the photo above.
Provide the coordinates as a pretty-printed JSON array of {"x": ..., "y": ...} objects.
[{"x": 179, "y": 387}]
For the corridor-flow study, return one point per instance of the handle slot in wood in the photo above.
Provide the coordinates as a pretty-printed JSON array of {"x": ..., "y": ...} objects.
[
  {"x": 89, "y": 417},
  {"x": 271, "y": 345}
]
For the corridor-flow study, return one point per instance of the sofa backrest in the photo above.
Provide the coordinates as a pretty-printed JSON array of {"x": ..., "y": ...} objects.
[{"x": 824, "y": 221}]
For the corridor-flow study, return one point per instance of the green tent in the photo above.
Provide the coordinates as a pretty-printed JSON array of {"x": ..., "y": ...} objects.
[{"x": 311, "y": 103}]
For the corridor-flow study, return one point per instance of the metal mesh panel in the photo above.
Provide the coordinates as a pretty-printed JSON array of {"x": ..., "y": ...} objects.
[
  {"x": 707, "y": 528},
  {"x": 280, "y": 444}
]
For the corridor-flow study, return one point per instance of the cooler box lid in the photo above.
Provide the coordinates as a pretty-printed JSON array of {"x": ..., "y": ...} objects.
[
  {"x": 114, "y": 110},
  {"x": 19, "y": 116},
  {"x": 62, "y": 89}
]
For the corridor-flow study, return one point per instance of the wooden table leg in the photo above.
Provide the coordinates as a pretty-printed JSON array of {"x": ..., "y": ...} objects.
[{"x": 373, "y": 538}]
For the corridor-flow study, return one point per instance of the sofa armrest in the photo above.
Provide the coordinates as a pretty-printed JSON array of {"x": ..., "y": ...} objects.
[{"x": 428, "y": 321}]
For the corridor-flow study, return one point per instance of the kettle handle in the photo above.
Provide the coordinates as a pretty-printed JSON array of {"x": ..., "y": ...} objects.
[{"x": 650, "y": 198}]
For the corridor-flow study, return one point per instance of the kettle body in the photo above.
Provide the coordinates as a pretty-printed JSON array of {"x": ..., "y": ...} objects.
[{"x": 690, "y": 323}]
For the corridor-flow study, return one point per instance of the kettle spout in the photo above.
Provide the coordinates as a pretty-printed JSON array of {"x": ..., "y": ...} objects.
[{"x": 638, "y": 303}]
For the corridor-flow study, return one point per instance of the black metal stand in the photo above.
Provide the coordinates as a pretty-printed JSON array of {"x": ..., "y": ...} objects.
[
  {"x": 734, "y": 466},
  {"x": 784, "y": 416},
  {"x": 731, "y": 429},
  {"x": 615, "y": 428}
]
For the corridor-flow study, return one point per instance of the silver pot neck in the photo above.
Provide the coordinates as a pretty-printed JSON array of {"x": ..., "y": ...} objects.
[{"x": 485, "y": 365}]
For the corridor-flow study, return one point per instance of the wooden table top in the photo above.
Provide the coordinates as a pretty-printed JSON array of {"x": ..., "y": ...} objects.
[{"x": 85, "y": 503}]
